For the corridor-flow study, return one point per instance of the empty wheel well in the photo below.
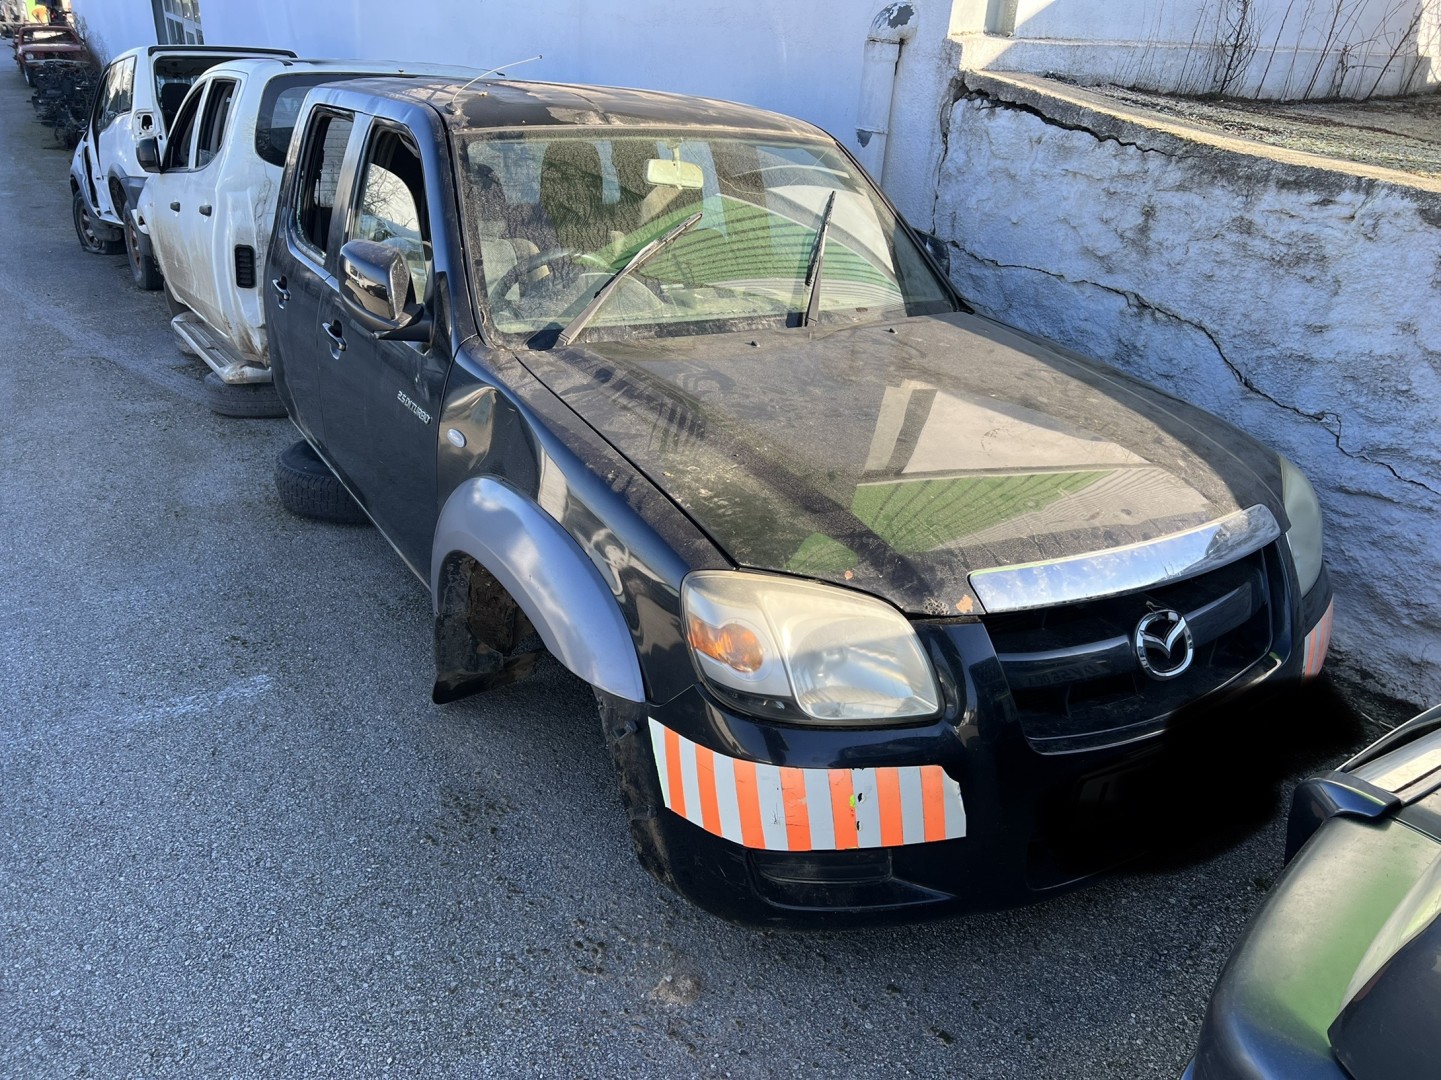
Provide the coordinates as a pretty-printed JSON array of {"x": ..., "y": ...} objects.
[
  {"x": 117, "y": 194},
  {"x": 483, "y": 639}
]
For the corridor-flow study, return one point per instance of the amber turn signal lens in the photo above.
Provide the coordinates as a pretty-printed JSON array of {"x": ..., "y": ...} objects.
[{"x": 731, "y": 644}]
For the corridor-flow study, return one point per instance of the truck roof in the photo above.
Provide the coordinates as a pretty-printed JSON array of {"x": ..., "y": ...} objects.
[
  {"x": 224, "y": 50},
  {"x": 501, "y": 103},
  {"x": 267, "y": 67}
]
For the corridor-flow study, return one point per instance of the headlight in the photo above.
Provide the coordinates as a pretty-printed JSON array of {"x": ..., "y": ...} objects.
[
  {"x": 804, "y": 651},
  {"x": 1304, "y": 512}
]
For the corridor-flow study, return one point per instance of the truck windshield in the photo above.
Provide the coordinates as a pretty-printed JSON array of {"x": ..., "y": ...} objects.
[{"x": 551, "y": 218}]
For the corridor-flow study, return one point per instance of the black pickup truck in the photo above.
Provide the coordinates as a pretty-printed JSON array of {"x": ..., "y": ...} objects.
[{"x": 876, "y": 594}]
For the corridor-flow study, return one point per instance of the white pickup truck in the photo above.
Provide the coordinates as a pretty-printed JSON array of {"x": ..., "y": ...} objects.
[
  {"x": 140, "y": 92},
  {"x": 205, "y": 214}
]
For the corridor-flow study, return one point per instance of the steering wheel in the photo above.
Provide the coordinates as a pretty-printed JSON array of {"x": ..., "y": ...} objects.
[{"x": 523, "y": 268}]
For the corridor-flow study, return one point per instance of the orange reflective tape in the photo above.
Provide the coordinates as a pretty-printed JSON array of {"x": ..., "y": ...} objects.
[
  {"x": 843, "y": 813},
  {"x": 933, "y": 800},
  {"x": 705, "y": 780},
  {"x": 888, "y": 794},
  {"x": 748, "y": 798},
  {"x": 673, "y": 773},
  {"x": 798, "y": 817}
]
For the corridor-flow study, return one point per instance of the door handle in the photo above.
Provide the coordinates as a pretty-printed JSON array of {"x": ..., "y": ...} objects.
[
  {"x": 175, "y": 206},
  {"x": 205, "y": 209},
  {"x": 282, "y": 294},
  {"x": 336, "y": 336}
]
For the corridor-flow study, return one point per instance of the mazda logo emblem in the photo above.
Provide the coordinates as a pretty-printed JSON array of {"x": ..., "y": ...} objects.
[{"x": 1163, "y": 644}]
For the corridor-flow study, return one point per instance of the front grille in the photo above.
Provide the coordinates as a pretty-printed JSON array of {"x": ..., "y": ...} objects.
[
  {"x": 244, "y": 266},
  {"x": 1074, "y": 675}
]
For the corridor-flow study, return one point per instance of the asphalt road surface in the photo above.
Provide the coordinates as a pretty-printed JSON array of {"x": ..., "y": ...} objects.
[{"x": 236, "y": 839}]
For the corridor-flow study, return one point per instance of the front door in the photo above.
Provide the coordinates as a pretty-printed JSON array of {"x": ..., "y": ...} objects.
[{"x": 382, "y": 398}]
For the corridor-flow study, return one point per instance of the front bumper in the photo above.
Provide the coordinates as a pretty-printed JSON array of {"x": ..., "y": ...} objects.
[{"x": 763, "y": 822}]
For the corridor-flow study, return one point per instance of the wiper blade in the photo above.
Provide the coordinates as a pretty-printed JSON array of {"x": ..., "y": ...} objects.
[
  {"x": 818, "y": 258},
  {"x": 640, "y": 258}
]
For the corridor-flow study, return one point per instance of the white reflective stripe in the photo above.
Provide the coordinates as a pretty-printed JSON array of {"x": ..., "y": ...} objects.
[
  {"x": 725, "y": 795},
  {"x": 690, "y": 785},
  {"x": 773, "y": 807},
  {"x": 657, "y": 749},
  {"x": 955, "y": 809},
  {"x": 913, "y": 807},
  {"x": 818, "y": 805},
  {"x": 866, "y": 807}
]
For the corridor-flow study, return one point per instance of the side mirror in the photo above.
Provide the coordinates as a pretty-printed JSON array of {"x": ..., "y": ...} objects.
[
  {"x": 147, "y": 154},
  {"x": 375, "y": 284}
]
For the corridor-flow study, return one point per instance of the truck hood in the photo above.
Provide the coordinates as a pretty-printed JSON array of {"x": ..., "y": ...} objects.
[{"x": 898, "y": 458}]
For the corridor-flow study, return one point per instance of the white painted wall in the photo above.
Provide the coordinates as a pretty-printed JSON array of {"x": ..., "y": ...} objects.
[{"x": 1302, "y": 303}]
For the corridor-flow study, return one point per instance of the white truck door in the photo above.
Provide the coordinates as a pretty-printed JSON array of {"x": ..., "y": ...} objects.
[
  {"x": 109, "y": 126},
  {"x": 169, "y": 193},
  {"x": 204, "y": 216}
]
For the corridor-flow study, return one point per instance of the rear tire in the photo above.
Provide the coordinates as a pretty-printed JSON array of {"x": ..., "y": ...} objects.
[
  {"x": 90, "y": 232},
  {"x": 308, "y": 488},
  {"x": 144, "y": 270},
  {"x": 246, "y": 401}
]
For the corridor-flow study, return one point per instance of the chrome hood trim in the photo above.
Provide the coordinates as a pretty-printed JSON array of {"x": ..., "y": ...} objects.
[{"x": 1125, "y": 569}]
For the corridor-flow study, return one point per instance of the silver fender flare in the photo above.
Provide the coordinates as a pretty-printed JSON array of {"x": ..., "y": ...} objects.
[{"x": 548, "y": 574}]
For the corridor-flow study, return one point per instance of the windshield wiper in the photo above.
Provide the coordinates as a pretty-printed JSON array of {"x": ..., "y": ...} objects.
[
  {"x": 640, "y": 258},
  {"x": 818, "y": 258}
]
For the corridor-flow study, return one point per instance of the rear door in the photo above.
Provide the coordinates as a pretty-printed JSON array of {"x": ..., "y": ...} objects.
[
  {"x": 202, "y": 216},
  {"x": 297, "y": 275},
  {"x": 382, "y": 398},
  {"x": 168, "y": 192}
]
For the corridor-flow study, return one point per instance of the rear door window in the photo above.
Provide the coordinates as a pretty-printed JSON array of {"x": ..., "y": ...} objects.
[
  {"x": 213, "y": 121},
  {"x": 319, "y": 181},
  {"x": 177, "y": 149},
  {"x": 117, "y": 95}
]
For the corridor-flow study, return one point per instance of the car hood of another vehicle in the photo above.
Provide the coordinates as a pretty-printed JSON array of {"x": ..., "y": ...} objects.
[
  {"x": 899, "y": 457},
  {"x": 67, "y": 47}
]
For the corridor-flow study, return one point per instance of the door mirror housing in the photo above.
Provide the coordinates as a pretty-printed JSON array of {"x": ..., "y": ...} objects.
[
  {"x": 375, "y": 284},
  {"x": 147, "y": 154}
]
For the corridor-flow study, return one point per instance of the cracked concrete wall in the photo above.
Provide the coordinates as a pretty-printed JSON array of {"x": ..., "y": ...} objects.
[{"x": 1301, "y": 302}]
